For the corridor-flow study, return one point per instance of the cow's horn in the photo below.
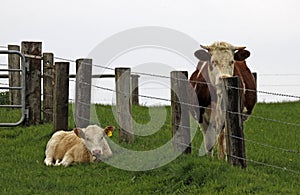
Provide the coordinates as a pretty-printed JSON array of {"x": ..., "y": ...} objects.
[
  {"x": 205, "y": 47},
  {"x": 238, "y": 48}
]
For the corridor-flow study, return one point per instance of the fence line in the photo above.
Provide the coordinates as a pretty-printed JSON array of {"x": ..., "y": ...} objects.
[
  {"x": 161, "y": 76},
  {"x": 197, "y": 106},
  {"x": 195, "y": 81}
]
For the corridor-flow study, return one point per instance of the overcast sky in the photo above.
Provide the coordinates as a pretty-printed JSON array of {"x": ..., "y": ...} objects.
[{"x": 270, "y": 29}]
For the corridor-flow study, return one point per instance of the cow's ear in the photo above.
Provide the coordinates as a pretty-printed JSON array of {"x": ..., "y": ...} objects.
[
  {"x": 79, "y": 132},
  {"x": 241, "y": 55},
  {"x": 202, "y": 55},
  {"x": 109, "y": 130}
]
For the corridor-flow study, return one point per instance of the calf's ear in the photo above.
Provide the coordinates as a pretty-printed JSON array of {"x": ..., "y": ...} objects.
[
  {"x": 79, "y": 133},
  {"x": 109, "y": 130},
  {"x": 241, "y": 55},
  {"x": 202, "y": 55}
]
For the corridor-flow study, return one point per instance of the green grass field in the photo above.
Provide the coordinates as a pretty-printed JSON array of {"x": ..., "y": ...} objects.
[{"x": 22, "y": 153}]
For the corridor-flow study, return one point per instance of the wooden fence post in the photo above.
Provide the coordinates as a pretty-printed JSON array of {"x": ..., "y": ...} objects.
[
  {"x": 180, "y": 112},
  {"x": 255, "y": 78},
  {"x": 48, "y": 60},
  {"x": 135, "y": 89},
  {"x": 83, "y": 92},
  {"x": 33, "y": 54},
  {"x": 124, "y": 104},
  {"x": 61, "y": 96},
  {"x": 14, "y": 77},
  {"x": 234, "y": 132}
]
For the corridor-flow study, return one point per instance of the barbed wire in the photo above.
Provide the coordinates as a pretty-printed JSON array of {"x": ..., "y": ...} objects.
[
  {"x": 64, "y": 59},
  {"x": 187, "y": 80},
  {"x": 266, "y": 145},
  {"x": 266, "y": 92},
  {"x": 252, "y": 141},
  {"x": 197, "y": 106},
  {"x": 266, "y": 164},
  {"x": 194, "y": 81},
  {"x": 286, "y": 74},
  {"x": 284, "y": 85}
]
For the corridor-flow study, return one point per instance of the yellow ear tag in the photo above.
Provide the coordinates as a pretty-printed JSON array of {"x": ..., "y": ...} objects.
[{"x": 109, "y": 133}]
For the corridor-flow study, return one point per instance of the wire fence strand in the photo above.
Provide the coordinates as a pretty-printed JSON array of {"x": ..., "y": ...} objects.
[{"x": 267, "y": 165}]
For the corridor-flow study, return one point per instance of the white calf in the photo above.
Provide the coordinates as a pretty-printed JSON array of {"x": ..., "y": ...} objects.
[{"x": 80, "y": 145}]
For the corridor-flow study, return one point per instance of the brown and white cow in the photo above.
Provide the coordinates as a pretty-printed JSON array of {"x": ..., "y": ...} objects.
[
  {"x": 80, "y": 145},
  {"x": 220, "y": 60}
]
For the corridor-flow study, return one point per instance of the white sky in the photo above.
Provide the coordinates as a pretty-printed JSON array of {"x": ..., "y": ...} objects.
[{"x": 269, "y": 28}]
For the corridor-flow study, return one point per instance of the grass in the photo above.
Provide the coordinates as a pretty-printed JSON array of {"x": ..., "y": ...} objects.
[{"x": 22, "y": 153}]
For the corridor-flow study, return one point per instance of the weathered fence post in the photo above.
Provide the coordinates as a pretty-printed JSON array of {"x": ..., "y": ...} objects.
[
  {"x": 180, "y": 113},
  {"x": 48, "y": 87},
  {"x": 61, "y": 96},
  {"x": 83, "y": 92},
  {"x": 255, "y": 78},
  {"x": 33, "y": 54},
  {"x": 124, "y": 104},
  {"x": 234, "y": 132},
  {"x": 14, "y": 77},
  {"x": 135, "y": 89}
]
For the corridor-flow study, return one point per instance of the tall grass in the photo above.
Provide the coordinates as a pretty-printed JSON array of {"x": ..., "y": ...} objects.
[{"x": 22, "y": 153}]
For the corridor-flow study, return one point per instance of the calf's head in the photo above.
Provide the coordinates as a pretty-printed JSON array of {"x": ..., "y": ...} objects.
[
  {"x": 221, "y": 57},
  {"x": 93, "y": 138}
]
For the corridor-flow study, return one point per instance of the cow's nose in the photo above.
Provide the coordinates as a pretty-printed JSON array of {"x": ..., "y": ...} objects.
[{"x": 96, "y": 152}]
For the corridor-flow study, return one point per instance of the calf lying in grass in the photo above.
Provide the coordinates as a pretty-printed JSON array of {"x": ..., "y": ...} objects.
[{"x": 80, "y": 145}]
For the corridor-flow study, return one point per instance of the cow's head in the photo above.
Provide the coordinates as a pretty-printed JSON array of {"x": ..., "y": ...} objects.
[
  {"x": 93, "y": 138},
  {"x": 221, "y": 56}
]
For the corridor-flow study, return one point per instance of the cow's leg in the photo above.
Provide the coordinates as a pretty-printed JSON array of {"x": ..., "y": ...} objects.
[
  {"x": 220, "y": 116},
  {"x": 221, "y": 144},
  {"x": 67, "y": 160},
  {"x": 208, "y": 132}
]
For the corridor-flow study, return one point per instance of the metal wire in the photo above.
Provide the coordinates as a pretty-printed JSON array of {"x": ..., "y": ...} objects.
[
  {"x": 197, "y": 106},
  {"x": 266, "y": 164},
  {"x": 266, "y": 145},
  {"x": 194, "y": 81}
]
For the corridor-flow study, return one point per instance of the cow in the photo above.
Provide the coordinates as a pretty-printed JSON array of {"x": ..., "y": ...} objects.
[
  {"x": 80, "y": 145},
  {"x": 217, "y": 61}
]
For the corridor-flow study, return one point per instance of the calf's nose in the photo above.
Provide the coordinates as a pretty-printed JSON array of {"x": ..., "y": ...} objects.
[{"x": 96, "y": 152}]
